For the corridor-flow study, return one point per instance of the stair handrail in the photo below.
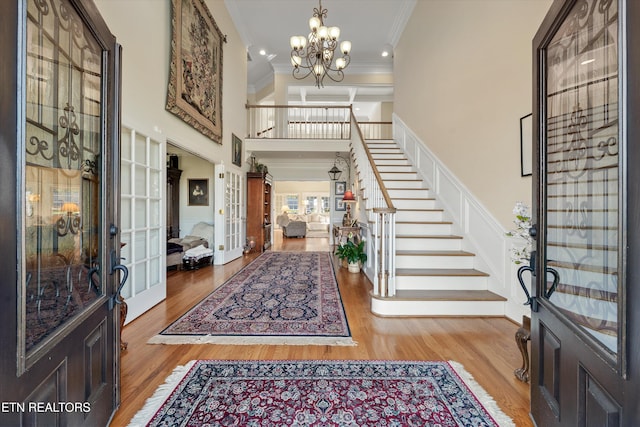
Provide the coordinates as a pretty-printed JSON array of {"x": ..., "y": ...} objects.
[
  {"x": 383, "y": 189},
  {"x": 384, "y": 245}
]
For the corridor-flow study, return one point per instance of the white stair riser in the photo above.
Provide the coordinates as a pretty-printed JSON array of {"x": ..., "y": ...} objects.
[
  {"x": 441, "y": 229},
  {"x": 385, "y": 150},
  {"x": 378, "y": 146},
  {"x": 436, "y": 261},
  {"x": 418, "y": 215},
  {"x": 391, "y": 162},
  {"x": 396, "y": 176},
  {"x": 405, "y": 184},
  {"x": 427, "y": 244},
  {"x": 395, "y": 168},
  {"x": 391, "y": 307},
  {"x": 386, "y": 156},
  {"x": 414, "y": 204},
  {"x": 432, "y": 283},
  {"x": 417, "y": 193}
]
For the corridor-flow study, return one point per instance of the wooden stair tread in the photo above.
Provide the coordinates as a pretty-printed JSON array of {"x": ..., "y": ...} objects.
[
  {"x": 454, "y": 272},
  {"x": 443, "y": 295},
  {"x": 433, "y": 253}
]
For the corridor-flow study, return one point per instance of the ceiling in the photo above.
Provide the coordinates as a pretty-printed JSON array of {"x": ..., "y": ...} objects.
[{"x": 371, "y": 25}]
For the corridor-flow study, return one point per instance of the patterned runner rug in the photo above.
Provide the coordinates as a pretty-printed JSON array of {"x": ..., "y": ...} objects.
[
  {"x": 320, "y": 393},
  {"x": 279, "y": 298}
]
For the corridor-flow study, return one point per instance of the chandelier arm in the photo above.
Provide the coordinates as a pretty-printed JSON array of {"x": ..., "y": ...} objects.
[
  {"x": 339, "y": 76},
  {"x": 298, "y": 70}
]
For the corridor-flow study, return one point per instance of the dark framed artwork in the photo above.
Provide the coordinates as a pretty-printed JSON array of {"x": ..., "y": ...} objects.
[
  {"x": 195, "y": 73},
  {"x": 198, "y": 192},
  {"x": 340, "y": 204},
  {"x": 236, "y": 150},
  {"x": 526, "y": 145},
  {"x": 341, "y": 186}
]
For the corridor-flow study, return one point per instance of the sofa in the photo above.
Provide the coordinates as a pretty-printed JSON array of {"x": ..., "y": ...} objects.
[
  {"x": 294, "y": 225},
  {"x": 201, "y": 234},
  {"x": 317, "y": 222}
]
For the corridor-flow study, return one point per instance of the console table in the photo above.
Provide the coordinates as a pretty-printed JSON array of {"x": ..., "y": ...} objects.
[
  {"x": 340, "y": 233},
  {"x": 523, "y": 335}
]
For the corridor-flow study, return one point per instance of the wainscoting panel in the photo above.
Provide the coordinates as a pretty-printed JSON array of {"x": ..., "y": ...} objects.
[{"x": 483, "y": 234}]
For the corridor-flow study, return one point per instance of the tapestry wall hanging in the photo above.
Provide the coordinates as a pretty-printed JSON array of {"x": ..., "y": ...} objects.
[{"x": 195, "y": 74}]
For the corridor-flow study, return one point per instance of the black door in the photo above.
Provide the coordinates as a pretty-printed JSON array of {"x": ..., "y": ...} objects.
[
  {"x": 585, "y": 324},
  {"x": 58, "y": 169}
]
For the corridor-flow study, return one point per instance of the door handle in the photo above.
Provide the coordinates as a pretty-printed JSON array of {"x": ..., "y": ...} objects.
[
  {"x": 524, "y": 287},
  {"x": 531, "y": 268},
  {"x": 554, "y": 285},
  {"x": 116, "y": 266}
]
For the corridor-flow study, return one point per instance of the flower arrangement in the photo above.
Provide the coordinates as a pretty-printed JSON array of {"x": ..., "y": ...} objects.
[{"x": 520, "y": 254}]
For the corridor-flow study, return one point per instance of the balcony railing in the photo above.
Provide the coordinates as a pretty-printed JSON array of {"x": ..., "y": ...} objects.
[
  {"x": 309, "y": 122},
  {"x": 299, "y": 122}
]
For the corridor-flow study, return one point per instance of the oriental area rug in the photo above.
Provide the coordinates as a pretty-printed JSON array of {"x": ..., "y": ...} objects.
[
  {"x": 289, "y": 298},
  {"x": 320, "y": 393}
]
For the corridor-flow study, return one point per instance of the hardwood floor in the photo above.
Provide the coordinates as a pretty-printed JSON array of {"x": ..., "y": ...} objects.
[{"x": 484, "y": 346}]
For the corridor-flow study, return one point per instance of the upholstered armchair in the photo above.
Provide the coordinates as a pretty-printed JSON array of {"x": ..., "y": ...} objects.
[
  {"x": 291, "y": 228},
  {"x": 295, "y": 229}
]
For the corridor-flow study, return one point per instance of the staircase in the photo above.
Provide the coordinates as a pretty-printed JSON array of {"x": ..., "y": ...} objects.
[{"x": 434, "y": 276}]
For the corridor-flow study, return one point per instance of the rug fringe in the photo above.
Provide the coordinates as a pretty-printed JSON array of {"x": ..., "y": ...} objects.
[
  {"x": 246, "y": 340},
  {"x": 485, "y": 398},
  {"x": 152, "y": 404}
]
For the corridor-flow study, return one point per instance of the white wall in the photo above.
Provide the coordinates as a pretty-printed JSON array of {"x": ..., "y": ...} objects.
[
  {"x": 143, "y": 28},
  {"x": 462, "y": 81}
]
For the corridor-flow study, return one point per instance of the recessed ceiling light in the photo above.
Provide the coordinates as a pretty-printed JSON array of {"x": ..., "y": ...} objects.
[
  {"x": 263, "y": 52},
  {"x": 385, "y": 53}
]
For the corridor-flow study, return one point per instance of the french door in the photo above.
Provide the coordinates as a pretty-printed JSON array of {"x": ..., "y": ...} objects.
[
  {"x": 585, "y": 320},
  {"x": 59, "y": 236},
  {"x": 230, "y": 212}
]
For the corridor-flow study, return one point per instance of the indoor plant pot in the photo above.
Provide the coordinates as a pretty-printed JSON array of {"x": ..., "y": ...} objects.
[
  {"x": 353, "y": 254},
  {"x": 354, "y": 267}
]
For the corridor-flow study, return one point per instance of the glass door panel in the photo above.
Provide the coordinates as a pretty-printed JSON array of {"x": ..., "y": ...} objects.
[
  {"x": 582, "y": 176},
  {"x": 62, "y": 249}
]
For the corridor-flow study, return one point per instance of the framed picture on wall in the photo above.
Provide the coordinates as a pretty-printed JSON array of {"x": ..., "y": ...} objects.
[
  {"x": 526, "y": 145},
  {"x": 340, "y": 187},
  {"x": 236, "y": 150},
  {"x": 340, "y": 205},
  {"x": 198, "y": 192}
]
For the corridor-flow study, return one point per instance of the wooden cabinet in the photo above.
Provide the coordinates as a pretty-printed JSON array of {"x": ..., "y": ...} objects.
[
  {"x": 259, "y": 208},
  {"x": 173, "y": 202}
]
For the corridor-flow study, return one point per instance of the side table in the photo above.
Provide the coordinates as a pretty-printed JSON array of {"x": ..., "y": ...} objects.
[
  {"x": 523, "y": 335},
  {"x": 341, "y": 232}
]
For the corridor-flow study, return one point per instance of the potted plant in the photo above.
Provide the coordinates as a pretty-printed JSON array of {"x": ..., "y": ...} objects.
[{"x": 353, "y": 253}]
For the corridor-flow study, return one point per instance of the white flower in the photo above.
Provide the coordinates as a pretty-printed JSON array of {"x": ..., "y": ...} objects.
[{"x": 521, "y": 253}]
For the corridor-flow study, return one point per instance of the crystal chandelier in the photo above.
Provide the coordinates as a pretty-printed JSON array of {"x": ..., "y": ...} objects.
[{"x": 315, "y": 54}]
